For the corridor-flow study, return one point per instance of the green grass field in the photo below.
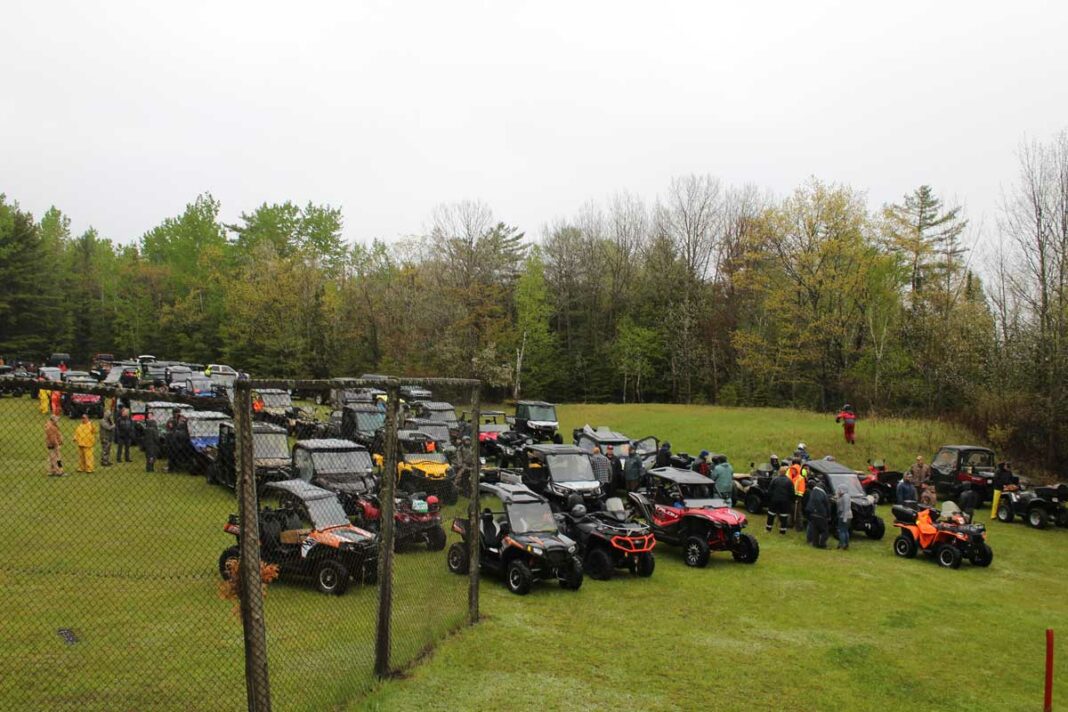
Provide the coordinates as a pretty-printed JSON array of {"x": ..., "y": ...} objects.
[{"x": 127, "y": 560}]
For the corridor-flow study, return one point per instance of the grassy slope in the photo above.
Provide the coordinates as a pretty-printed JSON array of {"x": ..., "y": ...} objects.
[{"x": 803, "y": 629}]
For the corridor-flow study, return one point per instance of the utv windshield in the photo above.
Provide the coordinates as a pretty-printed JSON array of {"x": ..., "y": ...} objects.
[
  {"x": 494, "y": 428},
  {"x": 570, "y": 468},
  {"x": 425, "y": 457},
  {"x": 270, "y": 446},
  {"x": 368, "y": 422},
  {"x": 977, "y": 458},
  {"x": 442, "y": 416},
  {"x": 199, "y": 385},
  {"x": 440, "y": 433},
  {"x": 850, "y": 482},
  {"x": 276, "y": 400},
  {"x": 177, "y": 374},
  {"x": 699, "y": 495},
  {"x": 204, "y": 428},
  {"x": 339, "y": 462},
  {"x": 530, "y": 517},
  {"x": 327, "y": 512},
  {"x": 137, "y": 407},
  {"x": 539, "y": 413}
]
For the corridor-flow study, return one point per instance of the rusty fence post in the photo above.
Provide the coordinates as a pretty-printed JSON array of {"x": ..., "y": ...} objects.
[
  {"x": 472, "y": 507},
  {"x": 257, "y": 684},
  {"x": 386, "y": 533}
]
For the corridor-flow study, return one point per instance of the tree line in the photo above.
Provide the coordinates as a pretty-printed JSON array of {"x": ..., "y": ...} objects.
[{"x": 708, "y": 293}]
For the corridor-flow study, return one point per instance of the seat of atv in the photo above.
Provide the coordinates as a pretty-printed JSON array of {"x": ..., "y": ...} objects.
[{"x": 294, "y": 536}]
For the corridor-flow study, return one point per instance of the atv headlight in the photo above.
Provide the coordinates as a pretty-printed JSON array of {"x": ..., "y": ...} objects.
[
  {"x": 571, "y": 549},
  {"x": 536, "y": 550}
]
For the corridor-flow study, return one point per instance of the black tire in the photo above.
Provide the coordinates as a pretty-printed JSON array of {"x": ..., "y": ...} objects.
[
  {"x": 876, "y": 529},
  {"x": 435, "y": 539},
  {"x": 517, "y": 577},
  {"x": 331, "y": 577},
  {"x": 572, "y": 578},
  {"x": 905, "y": 545},
  {"x": 747, "y": 551},
  {"x": 876, "y": 495},
  {"x": 212, "y": 474},
  {"x": 558, "y": 439},
  {"x": 599, "y": 564},
  {"x": 754, "y": 503},
  {"x": 695, "y": 551},
  {"x": 948, "y": 556},
  {"x": 233, "y": 553},
  {"x": 983, "y": 555},
  {"x": 1037, "y": 518},
  {"x": 370, "y": 572},
  {"x": 1005, "y": 513},
  {"x": 457, "y": 559},
  {"x": 645, "y": 565}
]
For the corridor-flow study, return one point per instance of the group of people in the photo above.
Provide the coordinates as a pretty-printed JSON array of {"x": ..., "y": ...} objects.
[
  {"x": 916, "y": 485},
  {"x": 794, "y": 497}
]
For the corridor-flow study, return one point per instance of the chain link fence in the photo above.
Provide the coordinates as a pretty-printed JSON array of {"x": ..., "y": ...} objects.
[{"x": 266, "y": 558}]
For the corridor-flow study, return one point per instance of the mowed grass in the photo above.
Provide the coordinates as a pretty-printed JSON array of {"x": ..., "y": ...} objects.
[
  {"x": 802, "y": 629},
  {"x": 127, "y": 561}
]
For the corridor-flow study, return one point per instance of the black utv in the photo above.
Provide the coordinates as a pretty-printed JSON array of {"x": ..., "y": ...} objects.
[
  {"x": 1038, "y": 507},
  {"x": 834, "y": 475},
  {"x": 519, "y": 538},
  {"x": 270, "y": 454},
  {"x": 609, "y": 540},
  {"x": 953, "y": 465},
  {"x": 586, "y": 438},
  {"x": 361, "y": 421},
  {"x": 439, "y": 412},
  {"x": 341, "y": 466},
  {"x": 557, "y": 472}
]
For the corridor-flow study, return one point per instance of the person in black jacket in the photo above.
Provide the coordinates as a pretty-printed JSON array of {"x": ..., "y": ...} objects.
[
  {"x": 780, "y": 501},
  {"x": 968, "y": 500},
  {"x": 663, "y": 455},
  {"x": 150, "y": 442},
  {"x": 124, "y": 435},
  {"x": 818, "y": 510}
]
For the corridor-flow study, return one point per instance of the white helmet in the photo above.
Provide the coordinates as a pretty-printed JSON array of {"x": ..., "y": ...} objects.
[{"x": 800, "y": 446}]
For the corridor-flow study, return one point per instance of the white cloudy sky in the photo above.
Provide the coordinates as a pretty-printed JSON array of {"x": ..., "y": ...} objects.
[{"x": 121, "y": 112}]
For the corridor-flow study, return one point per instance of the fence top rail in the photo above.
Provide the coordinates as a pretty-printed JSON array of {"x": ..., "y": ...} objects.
[
  {"x": 328, "y": 383},
  {"x": 137, "y": 394}
]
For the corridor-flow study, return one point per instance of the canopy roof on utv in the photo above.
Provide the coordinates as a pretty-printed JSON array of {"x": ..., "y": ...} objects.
[
  {"x": 436, "y": 405},
  {"x": 301, "y": 490},
  {"x": 533, "y": 402},
  {"x": 362, "y": 407},
  {"x": 510, "y": 493},
  {"x": 966, "y": 447},
  {"x": 203, "y": 414},
  {"x": 549, "y": 449},
  {"x": 680, "y": 476},
  {"x": 328, "y": 445},
  {"x": 829, "y": 467},
  {"x": 604, "y": 434}
]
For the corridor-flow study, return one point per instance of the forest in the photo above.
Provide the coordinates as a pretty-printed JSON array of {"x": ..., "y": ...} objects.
[{"x": 706, "y": 293}]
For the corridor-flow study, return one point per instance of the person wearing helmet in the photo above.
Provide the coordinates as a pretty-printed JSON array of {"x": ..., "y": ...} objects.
[
  {"x": 801, "y": 453},
  {"x": 774, "y": 462},
  {"x": 663, "y": 455},
  {"x": 848, "y": 418},
  {"x": 701, "y": 465}
]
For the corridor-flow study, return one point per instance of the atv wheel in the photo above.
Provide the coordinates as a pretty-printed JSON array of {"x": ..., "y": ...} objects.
[
  {"x": 875, "y": 529},
  {"x": 695, "y": 551},
  {"x": 457, "y": 560},
  {"x": 747, "y": 551},
  {"x": 231, "y": 554},
  {"x": 435, "y": 539},
  {"x": 599, "y": 564},
  {"x": 332, "y": 577},
  {"x": 876, "y": 495},
  {"x": 753, "y": 503},
  {"x": 518, "y": 577},
  {"x": 1005, "y": 512},
  {"x": 572, "y": 580},
  {"x": 1037, "y": 518},
  {"x": 949, "y": 556},
  {"x": 905, "y": 545},
  {"x": 646, "y": 564},
  {"x": 983, "y": 555}
]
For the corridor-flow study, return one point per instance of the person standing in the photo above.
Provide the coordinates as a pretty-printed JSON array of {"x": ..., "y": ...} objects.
[
  {"x": 602, "y": 469},
  {"x": 818, "y": 510},
  {"x": 780, "y": 501},
  {"x": 44, "y": 397},
  {"x": 701, "y": 465},
  {"x": 920, "y": 471},
  {"x": 632, "y": 473},
  {"x": 462, "y": 461},
  {"x": 798, "y": 478},
  {"x": 124, "y": 435},
  {"x": 968, "y": 500},
  {"x": 85, "y": 439},
  {"x": 1003, "y": 480},
  {"x": 663, "y": 455},
  {"x": 905, "y": 491},
  {"x": 848, "y": 418},
  {"x": 150, "y": 442},
  {"x": 844, "y": 503},
  {"x": 107, "y": 436},
  {"x": 615, "y": 468},
  {"x": 928, "y": 497},
  {"x": 54, "y": 443},
  {"x": 57, "y": 403},
  {"x": 723, "y": 475}
]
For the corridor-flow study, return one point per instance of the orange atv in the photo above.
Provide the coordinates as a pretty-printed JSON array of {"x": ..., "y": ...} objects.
[{"x": 947, "y": 534}]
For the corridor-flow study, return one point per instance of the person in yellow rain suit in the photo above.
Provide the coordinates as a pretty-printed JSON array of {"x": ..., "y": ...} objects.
[
  {"x": 85, "y": 439},
  {"x": 44, "y": 398}
]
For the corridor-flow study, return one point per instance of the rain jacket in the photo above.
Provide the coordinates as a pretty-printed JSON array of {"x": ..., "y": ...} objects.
[
  {"x": 53, "y": 438},
  {"x": 845, "y": 506},
  {"x": 819, "y": 504},
  {"x": 107, "y": 429},
  {"x": 633, "y": 470},
  {"x": 85, "y": 435},
  {"x": 780, "y": 493},
  {"x": 723, "y": 474},
  {"x": 150, "y": 438}
]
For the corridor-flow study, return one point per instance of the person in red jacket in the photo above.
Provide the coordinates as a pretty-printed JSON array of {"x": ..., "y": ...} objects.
[{"x": 848, "y": 418}]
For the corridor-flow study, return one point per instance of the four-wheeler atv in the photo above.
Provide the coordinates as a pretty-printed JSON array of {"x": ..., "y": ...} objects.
[
  {"x": 879, "y": 483},
  {"x": 537, "y": 420},
  {"x": 420, "y": 467},
  {"x": 946, "y": 534},
  {"x": 341, "y": 466},
  {"x": 75, "y": 405},
  {"x": 519, "y": 538},
  {"x": 436, "y": 430},
  {"x": 416, "y": 519},
  {"x": 271, "y": 405},
  {"x": 309, "y": 535},
  {"x": 557, "y": 472},
  {"x": 489, "y": 435},
  {"x": 679, "y": 506},
  {"x": 270, "y": 456},
  {"x": 199, "y": 386},
  {"x": 439, "y": 412},
  {"x": 587, "y": 438},
  {"x": 953, "y": 465},
  {"x": 360, "y": 422},
  {"x": 752, "y": 489},
  {"x": 192, "y": 446},
  {"x": 609, "y": 540},
  {"x": 1039, "y": 506},
  {"x": 834, "y": 475}
]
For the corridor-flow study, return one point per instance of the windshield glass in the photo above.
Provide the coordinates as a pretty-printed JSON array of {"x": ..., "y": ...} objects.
[
  {"x": 442, "y": 416},
  {"x": 276, "y": 400},
  {"x": 369, "y": 422},
  {"x": 541, "y": 413},
  {"x": 978, "y": 458},
  {"x": 850, "y": 482},
  {"x": 339, "y": 462},
  {"x": 425, "y": 457},
  {"x": 162, "y": 414},
  {"x": 438, "y": 432},
  {"x": 270, "y": 446},
  {"x": 494, "y": 428},
  {"x": 137, "y": 407},
  {"x": 327, "y": 512},
  {"x": 204, "y": 427},
  {"x": 531, "y": 517},
  {"x": 179, "y": 372},
  {"x": 571, "y": 468},
  {"x": 200, "y": 384}
]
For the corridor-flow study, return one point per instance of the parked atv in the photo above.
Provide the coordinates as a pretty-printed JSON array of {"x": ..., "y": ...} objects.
[
  {"x": 519, "y": 538},
  {"x": 946, "y": 534},
  {"x": 834, "y": 475},
  {"x": 420, "y": 467},
  {"x": 557, "y": 472},
  {"x": 340, "y": 466},
  {"x": 679, "y": 506},
  {"x": 309, "y": 535},
  {"x": 537, "y": 420},
  {"x": 361, "y": 421},
  {"x": 953, "y": 465},
  {"x": 416, "y": 519},
  {"x": 1039, "y": 506},
  {"x": 879, "y": 483},
  {"x": 752, "y": 488},
  {"x": 270, "y": 456},
  {"x": 609, "y": 540}
]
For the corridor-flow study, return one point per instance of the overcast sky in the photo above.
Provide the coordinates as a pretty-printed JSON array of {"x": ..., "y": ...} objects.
[{"x": 121, "y": 113}]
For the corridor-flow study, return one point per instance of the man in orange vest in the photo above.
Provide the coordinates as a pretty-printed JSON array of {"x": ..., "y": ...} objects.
[{"x": 797, "y": 477}]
